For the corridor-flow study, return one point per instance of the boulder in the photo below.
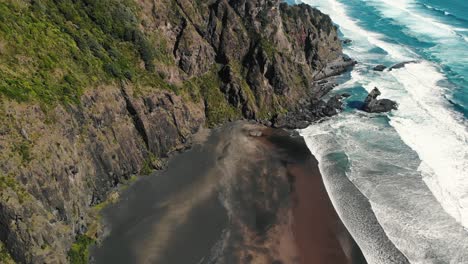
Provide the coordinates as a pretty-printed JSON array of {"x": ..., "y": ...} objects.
[
  {"x": 380, "y": 67},
  {"x": 374, "y": 105},
  {"x": 347, "y": 41},
  {"x": 333, "y": 106},
  {"x": 401, "y": 65}
]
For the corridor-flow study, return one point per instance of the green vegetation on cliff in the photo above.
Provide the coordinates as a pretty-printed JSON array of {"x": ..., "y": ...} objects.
[
  {"x": 207, "y": 86},
  {"x": 9, "y": 182},
  {"x": 5, "y": 257},
  {"x": 50, "y": 50},
  {"x": 79, "y": 252}
]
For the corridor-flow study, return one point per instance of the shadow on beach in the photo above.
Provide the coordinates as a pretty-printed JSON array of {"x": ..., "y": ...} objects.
[{"x": 247, "y": 194}]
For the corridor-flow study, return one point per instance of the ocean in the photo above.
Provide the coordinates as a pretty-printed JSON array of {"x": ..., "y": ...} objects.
[{"x": 412, "y": 164}]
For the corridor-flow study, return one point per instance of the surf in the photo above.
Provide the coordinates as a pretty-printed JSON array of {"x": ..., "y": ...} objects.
[
  {"x": 447, "y": 35},
  {"x": 427, "y": 129}
]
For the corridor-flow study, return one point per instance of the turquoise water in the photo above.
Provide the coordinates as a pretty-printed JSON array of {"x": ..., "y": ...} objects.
[
  {"x": 454, "y": 13},
  {"x": 436, "y": 31},
  {"x": 412, "y": 164}
]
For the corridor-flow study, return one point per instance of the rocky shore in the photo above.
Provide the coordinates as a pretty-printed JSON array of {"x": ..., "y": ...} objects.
[{"x": 310, "y": 110}]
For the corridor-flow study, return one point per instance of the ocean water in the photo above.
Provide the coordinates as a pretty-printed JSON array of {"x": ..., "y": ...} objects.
[{"x": 412, "y": 164}]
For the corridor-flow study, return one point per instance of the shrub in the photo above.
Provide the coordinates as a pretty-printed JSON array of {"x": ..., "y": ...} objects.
[
  {"x": 56, "y": 48},
  {"x": 5, "y": 257},
  {"x": 79, "y": 251}
]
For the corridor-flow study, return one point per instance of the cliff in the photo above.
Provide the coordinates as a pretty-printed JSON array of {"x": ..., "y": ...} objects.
[{"x": 94, "y": 92}]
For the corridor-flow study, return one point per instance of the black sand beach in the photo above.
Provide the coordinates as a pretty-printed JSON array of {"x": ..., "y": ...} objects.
[
  {"x": 169, "y": 217},
  {"x": 246, "y": 194}
]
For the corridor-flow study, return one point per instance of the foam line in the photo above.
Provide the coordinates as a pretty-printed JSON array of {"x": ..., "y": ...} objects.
[
  {"x": 425, "y": 121},
  {"x": 421, "y": 24}
]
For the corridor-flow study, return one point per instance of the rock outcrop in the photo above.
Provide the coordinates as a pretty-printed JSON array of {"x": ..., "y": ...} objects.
[
  {"x": 347, "y": 41},
  {"x": 309, "y": 111},
  {"x": 401, "y": 65},
  {"x": 380, "y": 67},
  {"x": 221, "y": 60},
  {"x": 374, "y": 105}
]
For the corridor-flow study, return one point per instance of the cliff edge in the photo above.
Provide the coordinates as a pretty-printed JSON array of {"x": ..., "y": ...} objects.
[{"x": 94, "y": 92}]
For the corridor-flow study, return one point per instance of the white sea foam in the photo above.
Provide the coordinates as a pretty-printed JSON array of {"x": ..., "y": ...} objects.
[
  {"x": 386, "y": 173},
  {"x": 451, "y": 40},
  {"x": 424, "y": 122},
  {"x": 436, "y": 9},
  {"x": 362, "y": 37},
  {"x": 438, "y": 135},
  {"x": 352, "y": 206},
  {"x": 406, "y": 13}
]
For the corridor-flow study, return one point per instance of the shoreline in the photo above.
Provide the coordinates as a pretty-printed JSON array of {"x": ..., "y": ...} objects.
[
  {"x": 356, "y": 212},
  {"x": 274, "y": 203},
  {"x": 320, "y": 238}
]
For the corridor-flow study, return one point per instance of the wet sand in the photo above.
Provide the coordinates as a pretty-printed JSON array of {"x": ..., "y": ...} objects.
[
  {"x": 248, "y": 194},
  {"x": 320, "y": 235}
]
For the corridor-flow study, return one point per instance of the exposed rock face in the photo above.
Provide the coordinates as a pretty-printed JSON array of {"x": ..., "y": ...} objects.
[
  {"x": 309, "y": 111},
  {"x": 193, "y": 54},
  {"x": 261, "y": 56},
  {"x": 374, "y": 105},
  {"x": 76, "y": 159},
  {"x": 274, "y": 51}
]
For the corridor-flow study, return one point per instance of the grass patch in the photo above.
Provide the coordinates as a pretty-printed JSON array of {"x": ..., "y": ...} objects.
[
  {"x": 218, "y": 109},
  {"x": 5, "y": 257},
  {"x": 237, "y": 69},
  {"x": 79, "y": 251},
  {"x": 268, "y": 47},
  {"x": 9, "y": 182},
  {"x": 147, "y": 168},
  {"x": 150, "y": 165},
  {"x": 24, "y": 150}
]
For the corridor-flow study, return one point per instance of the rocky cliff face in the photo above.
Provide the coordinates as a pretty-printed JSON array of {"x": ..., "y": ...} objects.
[
  {"x": 221, "y": 60},
  {"x": 266, "y": 54},
  {"x": 55, "y": 170}
]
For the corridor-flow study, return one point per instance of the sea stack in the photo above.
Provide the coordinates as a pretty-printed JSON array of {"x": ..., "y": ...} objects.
[{"x": 374, "y": 105}]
